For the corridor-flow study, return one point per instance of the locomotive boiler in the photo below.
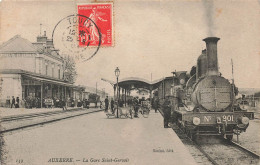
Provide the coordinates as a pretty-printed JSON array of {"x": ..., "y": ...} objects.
[{"x": 204, "y": 101}]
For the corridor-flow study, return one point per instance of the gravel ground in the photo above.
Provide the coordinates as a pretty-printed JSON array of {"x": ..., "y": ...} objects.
[
  {"x": 228, "y": 154},
  {"x": 251, "y": 138},
  {"x": 199, "y": 157}
]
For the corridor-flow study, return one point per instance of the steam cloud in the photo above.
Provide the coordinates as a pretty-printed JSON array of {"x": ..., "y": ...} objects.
[{"x": 209, "y": 16}]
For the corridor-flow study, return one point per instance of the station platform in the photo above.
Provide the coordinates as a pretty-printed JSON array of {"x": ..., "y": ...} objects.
[
  {"x": 4, "y": 112},
  {"x": 96, "y": 139}
]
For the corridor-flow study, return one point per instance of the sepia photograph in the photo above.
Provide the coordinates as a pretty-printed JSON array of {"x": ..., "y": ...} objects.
[{"x": 149, "y": 82}]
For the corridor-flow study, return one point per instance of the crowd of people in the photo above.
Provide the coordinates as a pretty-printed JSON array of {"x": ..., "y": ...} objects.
[
  {"x": 111, "y": 103},
  {"x": 135, "y": 103},
  {"x": 13, "y": 102},
  {"x": 48, "y": 102},
  {"x": 35, "y": 102}
]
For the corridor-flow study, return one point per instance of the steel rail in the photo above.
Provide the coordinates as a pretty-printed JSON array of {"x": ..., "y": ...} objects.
[
  {"x": 199, "y": 148},
  {"x": 231, "y": 143},
  {"x": 244, "y": 149},
  {"x": 46, "y": 122},
  {"x": 195, "y": 144},
  {"x": 5, "y": 119},
  {"x": 32, "y": 115},
  {"x": 207, "y": 155},
  {"x": 211, "y": 159}
]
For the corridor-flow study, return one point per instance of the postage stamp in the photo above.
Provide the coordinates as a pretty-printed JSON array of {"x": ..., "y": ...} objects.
[
  {"x": 71, "y": 36},
  {"x": 100, "y": 14}
]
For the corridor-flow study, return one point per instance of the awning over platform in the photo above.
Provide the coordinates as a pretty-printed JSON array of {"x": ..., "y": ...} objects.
[
  {"x": 49, "y": 81},
  {"x": 131, "y": 83}
]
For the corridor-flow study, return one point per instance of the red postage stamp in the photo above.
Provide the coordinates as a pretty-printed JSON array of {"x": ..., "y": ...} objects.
[{"x": 99, "y": 23}]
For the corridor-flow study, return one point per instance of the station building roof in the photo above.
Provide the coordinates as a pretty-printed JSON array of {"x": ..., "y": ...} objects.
[{"x": 17, "y": 44}]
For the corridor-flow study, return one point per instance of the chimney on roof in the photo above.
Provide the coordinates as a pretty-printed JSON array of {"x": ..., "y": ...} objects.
[
  {"x": 43, "y": 38},
  {"x": 49, "y": 42}
]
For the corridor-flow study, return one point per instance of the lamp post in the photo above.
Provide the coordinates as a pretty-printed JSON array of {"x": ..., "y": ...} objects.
[{"x": 117, "y": 73}]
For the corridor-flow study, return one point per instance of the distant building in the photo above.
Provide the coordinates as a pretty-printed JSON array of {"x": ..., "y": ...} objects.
[{"x": 33, "y": 70}]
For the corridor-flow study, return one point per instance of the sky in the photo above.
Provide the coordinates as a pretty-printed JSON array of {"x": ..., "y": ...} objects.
[{"x": 153, "y": 37}]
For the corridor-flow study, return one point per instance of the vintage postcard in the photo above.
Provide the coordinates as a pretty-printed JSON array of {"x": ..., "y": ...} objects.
[{"x": 149, "y": 82}]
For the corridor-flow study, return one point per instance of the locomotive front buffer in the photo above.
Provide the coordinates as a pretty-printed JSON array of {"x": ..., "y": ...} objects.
[{"x": 216, "y": 123}]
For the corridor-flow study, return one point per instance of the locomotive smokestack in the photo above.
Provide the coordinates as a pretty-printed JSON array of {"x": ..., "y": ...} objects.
[{"x": 212, "y": 56}]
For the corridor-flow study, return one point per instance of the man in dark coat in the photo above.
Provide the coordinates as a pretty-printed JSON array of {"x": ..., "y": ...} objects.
[
  {"x": 121, "y": 103},
  {"x": 87, "y": 104},
  {"x": 13, "y": 102},
  {"x": 156, "y": 104},
  {"x": 106, "y": 104},
  {"x": 166, "y": 112},
  {"x": 63, "y": 104},
  {"x": 17, "y": 102},
  {"x": 112, "y": 103},
  {"x": 135, "y": 104}
]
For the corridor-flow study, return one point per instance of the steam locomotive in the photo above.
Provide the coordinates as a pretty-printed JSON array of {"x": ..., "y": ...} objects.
[{"x": 203, "y": 102}]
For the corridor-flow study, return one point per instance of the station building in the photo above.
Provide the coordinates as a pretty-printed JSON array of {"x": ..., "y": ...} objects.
[{"x": 33, "y": 70}]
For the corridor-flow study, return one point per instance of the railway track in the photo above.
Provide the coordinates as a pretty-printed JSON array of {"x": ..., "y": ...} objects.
[
  {"x": 245, "y": 149},
  {"x": 228, "y": 153},
  {"x": 32, "y": 115},
  {"x": 223, "y": 152},
  {"x": 197, "y": 153},
  {"x": 19, "y": 122}
]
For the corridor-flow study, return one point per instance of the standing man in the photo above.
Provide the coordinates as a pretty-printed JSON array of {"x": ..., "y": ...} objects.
[
  {"x": 87, "y": 104},
  {"x": 63, "y": 103},
  {"x": 96, "y": 101},
  {"x": 156, "y": 104},
  {"x": 13, "y": 102},
  {"x": 135, "y": 104},
  {"x": 17, "y": 102},
  {"x": 106, "y": 104},
  {"x": 112, "y": 103},
  {"x": 166, "y": 111}
]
